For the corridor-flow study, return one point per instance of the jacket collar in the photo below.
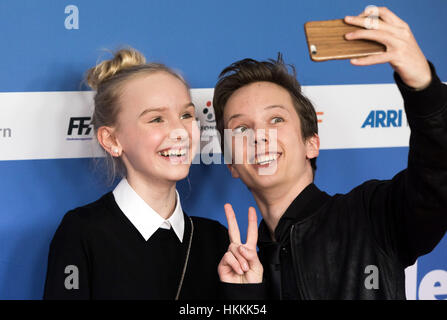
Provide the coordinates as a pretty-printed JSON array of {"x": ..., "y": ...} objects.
[{"x": 310, "y": 200}]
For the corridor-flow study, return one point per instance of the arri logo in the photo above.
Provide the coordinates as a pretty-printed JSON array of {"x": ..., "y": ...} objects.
[
  {"x": 384, "y": 119},
  {"x": 79, "y": 126}
]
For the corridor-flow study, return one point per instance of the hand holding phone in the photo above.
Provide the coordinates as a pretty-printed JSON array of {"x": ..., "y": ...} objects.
[{"x": 378, "y": 36}]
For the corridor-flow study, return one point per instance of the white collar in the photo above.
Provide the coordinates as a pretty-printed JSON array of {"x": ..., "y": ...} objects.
[{"x": 142, "y": 216}]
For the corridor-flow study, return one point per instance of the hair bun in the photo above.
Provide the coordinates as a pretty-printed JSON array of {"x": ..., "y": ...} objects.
[{"x": 123, "y": 58}]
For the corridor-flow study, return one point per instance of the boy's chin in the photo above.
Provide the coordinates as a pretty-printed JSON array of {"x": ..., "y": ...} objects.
[{"x": 260, "y": 182}]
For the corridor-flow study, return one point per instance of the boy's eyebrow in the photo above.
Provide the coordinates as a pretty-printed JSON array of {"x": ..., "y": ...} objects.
[
  {"x": 161, "y": 109},
  {"x": 275, "y": 106},
  {"x": 266, "y": 108}
]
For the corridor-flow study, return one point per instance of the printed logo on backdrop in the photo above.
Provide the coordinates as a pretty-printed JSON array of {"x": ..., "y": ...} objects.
[
  {"x": 210, "y": 151},
  {"x": 5, "y": 133},
  {"x": 391, "y": 118},
  {"x": 320, "y": 117},
  {"x": 79, "y": 128},
  {"x": 351, "y": 121},
  {"x": 432, "y": 284}
]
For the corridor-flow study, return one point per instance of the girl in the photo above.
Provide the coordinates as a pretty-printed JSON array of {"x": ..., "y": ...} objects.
[{"x": 136, "y": 242}]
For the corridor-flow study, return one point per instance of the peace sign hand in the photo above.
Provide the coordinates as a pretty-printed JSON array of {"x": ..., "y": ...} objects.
[{"x": 241, "y": 264}]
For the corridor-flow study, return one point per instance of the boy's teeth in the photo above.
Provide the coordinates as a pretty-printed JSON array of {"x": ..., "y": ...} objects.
[{"x": 266, "y": 158}]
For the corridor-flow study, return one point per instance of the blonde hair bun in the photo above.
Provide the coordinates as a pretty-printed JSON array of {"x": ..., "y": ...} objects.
[{"x": 123, "y": 58}]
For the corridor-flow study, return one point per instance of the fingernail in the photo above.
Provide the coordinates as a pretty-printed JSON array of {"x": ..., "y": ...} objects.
[
  {"x": 241, "y": 272},
  {"x": 245, "y": 267},
  {"x": 348, "y": 18}
]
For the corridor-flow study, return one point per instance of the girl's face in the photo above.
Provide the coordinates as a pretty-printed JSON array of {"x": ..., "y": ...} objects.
[{"x": 156, "y": 127}]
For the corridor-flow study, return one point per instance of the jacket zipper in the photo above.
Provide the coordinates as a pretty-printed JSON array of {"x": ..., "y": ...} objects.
[{"x": 295, "y": 261}]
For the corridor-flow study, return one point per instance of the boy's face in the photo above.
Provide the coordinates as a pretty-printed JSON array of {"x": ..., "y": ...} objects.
[{"x": 276, "y": 154}]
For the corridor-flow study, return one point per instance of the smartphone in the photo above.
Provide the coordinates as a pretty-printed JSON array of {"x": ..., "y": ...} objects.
[{"x": 326, "y": 41}]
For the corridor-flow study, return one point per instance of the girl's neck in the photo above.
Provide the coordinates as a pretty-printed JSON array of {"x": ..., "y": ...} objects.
[{"x": 159, "y": 195}]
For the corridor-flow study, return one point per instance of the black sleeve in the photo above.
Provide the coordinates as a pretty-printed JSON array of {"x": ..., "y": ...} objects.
[
  {"x": 409, "y": 212},
  {"x": 249, "y": 291},
  {"x": 68, "y": 271}
]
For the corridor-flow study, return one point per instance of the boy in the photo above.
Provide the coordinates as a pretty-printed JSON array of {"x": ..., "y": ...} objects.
[{"x": 316, "y": 246}]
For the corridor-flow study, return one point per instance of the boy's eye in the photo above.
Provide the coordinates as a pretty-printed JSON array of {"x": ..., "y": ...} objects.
[
  {"x": 156, "y": 120},
  {"x": 277, "y": 119},
  {"x": 240, "y": 129}
]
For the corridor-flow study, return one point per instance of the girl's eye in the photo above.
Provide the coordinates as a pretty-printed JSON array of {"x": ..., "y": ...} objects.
[
  {"x": 240, "y": 129},
  {"x": 277, "y": 119},
  {"x": 156, "y": 120},
  {"x": 186, "y": 116}
]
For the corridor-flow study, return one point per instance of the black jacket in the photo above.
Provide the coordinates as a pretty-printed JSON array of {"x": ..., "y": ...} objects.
[{"x": 357, "y": 245}]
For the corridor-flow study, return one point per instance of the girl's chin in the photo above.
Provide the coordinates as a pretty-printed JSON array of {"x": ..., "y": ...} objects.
[
  {"x": 176, "y": 176},
  {"x": 176, "y": 171}
]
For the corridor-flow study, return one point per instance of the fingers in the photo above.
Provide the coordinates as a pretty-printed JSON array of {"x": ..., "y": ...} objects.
[
  {"x": 389, "y": 17},
  {"x": 375, "y": 35},
  {"x": 243, "y": 263},
  {"x": 372, "y": 23},
  {"x": 371, "y": 59},
  {"x": 251, "y": 255},
  {"x": 385, "y": 14},
  {"x": 230, "y": 260},
  {"x": 252, "y": 229},
  {"x": 233, "y": 229},
  {"x": 379, "y": 18}
]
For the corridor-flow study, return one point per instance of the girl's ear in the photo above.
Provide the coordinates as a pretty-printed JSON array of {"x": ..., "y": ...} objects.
[{"x": 106, "y": 138}]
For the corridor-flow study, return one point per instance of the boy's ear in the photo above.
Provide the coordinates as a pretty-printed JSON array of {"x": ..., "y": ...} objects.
[
  {"x": 233, "y": 171},
  {"x": 312, "y": 146}
]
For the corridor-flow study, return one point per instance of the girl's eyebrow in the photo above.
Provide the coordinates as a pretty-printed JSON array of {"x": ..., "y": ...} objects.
[
  {"x": 151, "y": 110},
  {"x": 161, "y": 109}
]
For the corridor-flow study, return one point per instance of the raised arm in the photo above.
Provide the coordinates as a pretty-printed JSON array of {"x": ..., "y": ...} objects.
[{"x": 409, "y": 212}]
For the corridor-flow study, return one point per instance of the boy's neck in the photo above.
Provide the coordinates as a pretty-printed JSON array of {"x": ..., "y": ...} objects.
[{"x": 273, "y": 202}]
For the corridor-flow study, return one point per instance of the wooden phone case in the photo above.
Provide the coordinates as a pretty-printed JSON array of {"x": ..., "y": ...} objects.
[{"x": 326, "y": 41}]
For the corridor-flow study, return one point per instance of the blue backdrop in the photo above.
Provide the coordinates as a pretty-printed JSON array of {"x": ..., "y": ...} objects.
[{"x": 199, "y": 38}]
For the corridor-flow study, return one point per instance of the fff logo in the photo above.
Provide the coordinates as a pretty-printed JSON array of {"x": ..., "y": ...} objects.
[{"x": 80, "y": 125}]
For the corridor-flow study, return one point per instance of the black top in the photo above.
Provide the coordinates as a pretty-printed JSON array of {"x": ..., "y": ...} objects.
[
  {"x": 275, "y": 255},
  {"x": 114, "y": 261}
]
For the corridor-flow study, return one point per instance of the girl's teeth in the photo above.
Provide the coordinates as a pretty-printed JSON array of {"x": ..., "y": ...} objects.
[{"x": 173, "y": 153}]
